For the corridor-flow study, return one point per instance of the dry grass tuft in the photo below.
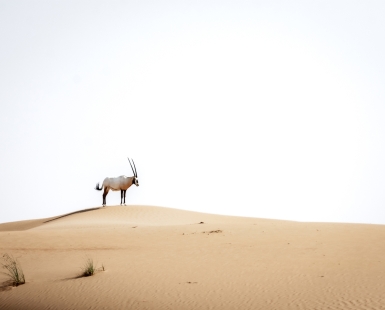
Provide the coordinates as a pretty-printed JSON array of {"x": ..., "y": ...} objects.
[
  {"x": 13, "y": 269},
  {"x": 89, "y": 268}
]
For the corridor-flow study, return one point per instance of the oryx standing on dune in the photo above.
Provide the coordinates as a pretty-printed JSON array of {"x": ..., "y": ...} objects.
[{"x": 121, "y": 184}]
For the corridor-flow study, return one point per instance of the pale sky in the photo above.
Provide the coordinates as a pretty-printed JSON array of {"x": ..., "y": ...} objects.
[{"x": 270, "y": 109}]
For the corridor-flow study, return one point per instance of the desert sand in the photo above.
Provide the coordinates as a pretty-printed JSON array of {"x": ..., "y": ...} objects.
[{"x": 162, "y": 258}]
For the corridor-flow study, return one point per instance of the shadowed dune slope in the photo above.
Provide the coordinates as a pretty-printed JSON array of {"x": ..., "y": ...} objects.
[
  {"x": 22, "y": 225},
  {"x": 133, "y": 215}
]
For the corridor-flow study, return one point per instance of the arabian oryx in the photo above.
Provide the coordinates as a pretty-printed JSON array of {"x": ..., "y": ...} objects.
[{"x": 121, "y": 184}]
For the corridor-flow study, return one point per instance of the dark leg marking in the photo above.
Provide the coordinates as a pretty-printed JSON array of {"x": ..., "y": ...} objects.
[{"x": 104, "y": 196}]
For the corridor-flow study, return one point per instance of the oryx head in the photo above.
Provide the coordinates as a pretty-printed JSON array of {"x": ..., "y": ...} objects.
[{"x": 136, "y": 182}]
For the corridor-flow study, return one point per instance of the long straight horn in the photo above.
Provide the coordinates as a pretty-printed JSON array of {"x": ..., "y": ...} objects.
[
  {"x": 131, "y": 167},
  {"x": 136, "y": 173}
]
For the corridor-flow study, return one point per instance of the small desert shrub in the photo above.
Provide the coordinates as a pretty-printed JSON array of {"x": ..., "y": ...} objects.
[
  {"x": 89, "y": 268},
  {"x": 13, "y": 269}
]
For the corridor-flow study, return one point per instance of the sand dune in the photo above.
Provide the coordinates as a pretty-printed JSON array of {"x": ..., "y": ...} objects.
[{"x": 161, "y": 258}]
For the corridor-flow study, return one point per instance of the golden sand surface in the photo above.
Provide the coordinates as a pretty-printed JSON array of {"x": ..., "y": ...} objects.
[{"x": 162, "y": 258}]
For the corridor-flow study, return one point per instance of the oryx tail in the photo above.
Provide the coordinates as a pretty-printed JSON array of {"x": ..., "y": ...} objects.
[{"x": 97, "y": 187}]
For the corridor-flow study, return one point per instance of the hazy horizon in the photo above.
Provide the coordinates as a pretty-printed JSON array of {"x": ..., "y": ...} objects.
[{"x": 265, "y": 109}]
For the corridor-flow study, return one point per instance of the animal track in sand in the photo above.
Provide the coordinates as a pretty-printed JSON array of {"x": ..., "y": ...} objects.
[
  {"x": 212, "y": 232},
  {"x": 185, "y": 234},
  {"x": 205, "y": 232}
]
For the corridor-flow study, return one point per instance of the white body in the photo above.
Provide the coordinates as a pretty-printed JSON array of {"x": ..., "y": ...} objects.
[{"x": 118, "y": 184}]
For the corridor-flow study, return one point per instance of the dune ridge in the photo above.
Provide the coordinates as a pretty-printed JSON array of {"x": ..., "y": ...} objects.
[{"x": 163, "y": 258}]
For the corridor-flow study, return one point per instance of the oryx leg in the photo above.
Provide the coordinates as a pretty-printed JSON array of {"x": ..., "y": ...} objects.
[
  {"x": 121, "y": 196},
  {"x": 104, "y": 196},
  {"x": 125, "y": 197}
]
